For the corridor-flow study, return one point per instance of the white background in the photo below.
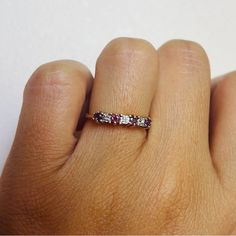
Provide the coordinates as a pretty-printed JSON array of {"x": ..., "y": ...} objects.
[{"x": 33, "y": 32}]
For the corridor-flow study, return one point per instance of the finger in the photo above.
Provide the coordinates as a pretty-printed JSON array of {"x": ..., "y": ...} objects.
[
  {"x": 223, "y": 127},
  {"x": 125, "y": 81},
  {"x": 53, "y": 99},
  {"x": 180, "y": 109}
]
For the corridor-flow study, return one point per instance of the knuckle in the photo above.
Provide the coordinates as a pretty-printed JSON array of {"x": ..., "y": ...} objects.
[
  {"x": 176, "y": 194},
  {"x": 189, "y": 56},
  {"x": 227, "y": 84},
  {"x": 58, "y": 74},
  {"x": 126, "y": 49},
  {"x": 50, "y": 73}
]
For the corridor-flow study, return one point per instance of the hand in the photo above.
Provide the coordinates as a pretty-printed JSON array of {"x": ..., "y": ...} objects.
[{"x": 178, "y": 177}]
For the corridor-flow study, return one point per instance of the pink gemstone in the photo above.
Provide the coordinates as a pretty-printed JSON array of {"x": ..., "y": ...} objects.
[{"x": 115, "y": 118}]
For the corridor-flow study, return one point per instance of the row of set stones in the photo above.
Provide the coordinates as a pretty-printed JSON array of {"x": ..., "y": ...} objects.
[{"x": 120, "y": 119}]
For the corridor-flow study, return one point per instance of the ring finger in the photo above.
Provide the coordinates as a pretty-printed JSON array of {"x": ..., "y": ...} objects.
[{"x": 125, "y": 82}]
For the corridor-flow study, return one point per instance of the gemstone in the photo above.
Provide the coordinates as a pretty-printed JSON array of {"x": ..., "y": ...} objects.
[
  {"x": 115, "y": 118},
  {"x": 124, "y": 120},
  {"x": 102, "y": 117},
  {"x": 97, "y": 116},
  {"x": 133, "y": 120},
  {"x": 148, "y": 122},
  {"x": 141, "y": 121},
  {"x": 106, "y": 118}
]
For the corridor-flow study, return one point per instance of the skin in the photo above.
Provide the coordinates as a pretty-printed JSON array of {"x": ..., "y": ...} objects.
[{"x": 177, "y": 178}]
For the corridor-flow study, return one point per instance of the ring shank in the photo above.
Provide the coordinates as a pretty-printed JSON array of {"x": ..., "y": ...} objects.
[{"x": 89, "y": 116}]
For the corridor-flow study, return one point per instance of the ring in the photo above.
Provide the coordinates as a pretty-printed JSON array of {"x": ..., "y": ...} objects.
[{"x": 121, "y": 119}]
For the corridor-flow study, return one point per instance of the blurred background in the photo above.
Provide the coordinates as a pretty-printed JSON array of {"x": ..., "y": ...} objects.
[{"x": 33, "y": 32}]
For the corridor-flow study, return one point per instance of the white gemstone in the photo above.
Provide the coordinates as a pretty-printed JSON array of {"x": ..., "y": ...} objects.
[
  {"x": 106, "y": 118},
  {"x": 141, "y": 122},
  {"x": 124, "y": 119}
]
